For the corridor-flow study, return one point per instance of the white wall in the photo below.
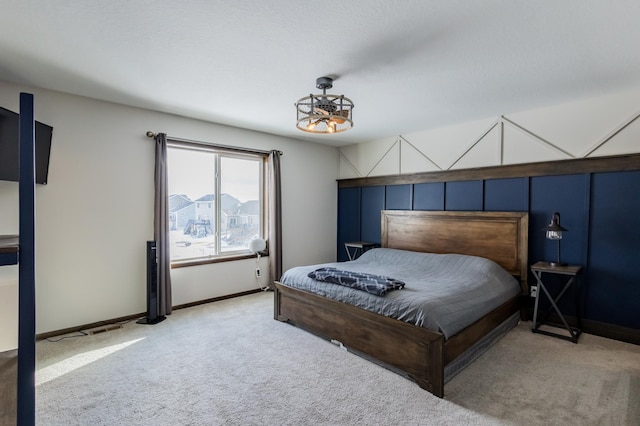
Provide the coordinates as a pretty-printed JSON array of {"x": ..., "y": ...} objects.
[
  {"x": 96, "y": 213},
  {"x": 589, "y": 127},
  {"x": 8, "y": 307}
]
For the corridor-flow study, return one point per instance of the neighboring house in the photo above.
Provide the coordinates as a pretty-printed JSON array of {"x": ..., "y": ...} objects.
[
  {"x": 196, "y": 217},
  {"x": 249, "y": 213},
  {"x": 229, "y": 203},
  {"x": 205, "y": 206},
  {"x": 181, "y": 211},
  {"x": 245, "y": 215},
  {"x": 205, "y": 209},
  {"x": 178, "y": 201},
  {"x": 242, "y": 223}
]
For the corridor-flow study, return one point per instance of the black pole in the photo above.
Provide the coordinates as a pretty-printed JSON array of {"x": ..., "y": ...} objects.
[{"x": 27, "y": 267}]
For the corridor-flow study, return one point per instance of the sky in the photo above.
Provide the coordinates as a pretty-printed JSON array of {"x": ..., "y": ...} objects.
[{"x": 191, "y": 174}]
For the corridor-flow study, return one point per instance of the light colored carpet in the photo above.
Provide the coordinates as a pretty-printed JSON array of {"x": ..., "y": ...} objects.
[{"x": 230, "y": 363}]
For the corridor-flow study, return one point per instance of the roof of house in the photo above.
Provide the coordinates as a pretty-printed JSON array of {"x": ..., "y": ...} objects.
[
  {"x": 249, "y": 208},
  {"x": 178, "y": 202}
]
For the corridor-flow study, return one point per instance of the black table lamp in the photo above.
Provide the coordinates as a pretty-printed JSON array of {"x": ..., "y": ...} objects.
[{"x": 554, "y": 232}]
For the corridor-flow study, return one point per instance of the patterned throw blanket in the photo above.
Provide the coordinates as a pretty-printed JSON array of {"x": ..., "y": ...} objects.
[{"x": 374, "y": 284}]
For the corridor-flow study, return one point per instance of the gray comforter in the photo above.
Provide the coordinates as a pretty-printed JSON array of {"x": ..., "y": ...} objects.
[{"x": 444, "y": 292}]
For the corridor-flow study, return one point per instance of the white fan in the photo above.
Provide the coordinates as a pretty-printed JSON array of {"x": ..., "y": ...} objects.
[{"x": 257, "y": 245}]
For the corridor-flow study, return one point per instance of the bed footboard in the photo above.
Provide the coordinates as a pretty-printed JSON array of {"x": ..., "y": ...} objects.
[{"x": 414, "y": 352}]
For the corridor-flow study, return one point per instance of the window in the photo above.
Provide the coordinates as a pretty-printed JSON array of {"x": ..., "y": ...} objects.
[{"x": 216, "y": 203}]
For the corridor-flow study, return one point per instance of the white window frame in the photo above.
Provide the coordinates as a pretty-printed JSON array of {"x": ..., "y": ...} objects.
[{"x": 226, "y": 152}]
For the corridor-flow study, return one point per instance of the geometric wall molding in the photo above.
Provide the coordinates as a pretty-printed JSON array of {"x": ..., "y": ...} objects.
[
  {"x": 389, "y": 163},
  {"x": 623, "y": 133},
  {"x": 346, "y": 167},
  {"x": 413, "y": 160},
  {"x": 523, "y": 147},
  {"x": 580, "y": 129},
  {"x": 537, "y": 138},
  {"x": 487, "y": 150},
  {"x": 363, "y": 159},
  {"x": 446, "y": 147}
]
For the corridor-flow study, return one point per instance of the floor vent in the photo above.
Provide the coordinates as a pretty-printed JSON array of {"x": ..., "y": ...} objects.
[{"x": 104, "y": 329}]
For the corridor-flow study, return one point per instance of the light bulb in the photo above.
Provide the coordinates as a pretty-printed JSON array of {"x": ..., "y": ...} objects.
[{"x": 554, "y": 235}]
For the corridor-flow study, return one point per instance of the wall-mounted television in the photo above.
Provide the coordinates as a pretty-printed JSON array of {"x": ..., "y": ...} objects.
[{"x": 10, "y": 143}]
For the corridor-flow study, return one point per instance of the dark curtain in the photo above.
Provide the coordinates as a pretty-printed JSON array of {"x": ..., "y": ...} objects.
[
  {"x": 161, "y": 225},
  {"x": 275, "y": 219}
]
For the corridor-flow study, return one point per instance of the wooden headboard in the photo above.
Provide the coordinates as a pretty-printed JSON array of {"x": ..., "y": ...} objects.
[{"x": 499, "y": 236}]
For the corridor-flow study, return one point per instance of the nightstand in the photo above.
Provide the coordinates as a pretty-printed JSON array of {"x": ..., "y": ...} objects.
[
  {"x": 356, "y": 248},
  {"x": 572, "y": 272}
]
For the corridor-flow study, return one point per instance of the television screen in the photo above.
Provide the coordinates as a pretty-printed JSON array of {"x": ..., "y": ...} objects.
[{"x": 10, "y": 143}]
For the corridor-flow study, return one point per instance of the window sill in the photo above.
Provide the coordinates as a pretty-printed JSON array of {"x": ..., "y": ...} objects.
[{"x": 218, "y": 259}]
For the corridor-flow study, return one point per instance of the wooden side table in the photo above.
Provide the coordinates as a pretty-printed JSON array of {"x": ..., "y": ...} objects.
[
  {"x": 356, "y": 248},
  {"x": 571, "y": 271}
]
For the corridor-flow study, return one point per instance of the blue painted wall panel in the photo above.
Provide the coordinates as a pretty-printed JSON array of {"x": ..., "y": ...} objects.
[
  {"x": 348, "y": 219},
  {"x": 428, "y": 196},
  {"x": 567, "y": 195},
  {"x": 506, "y": 195},
  {"x": 599, "y": 210},
  {"x": 464, "y": 196},
  {"x": 398, "y": 197},
  {"x": 613, "y": 281},
  {"x": 372, "y": 204}
]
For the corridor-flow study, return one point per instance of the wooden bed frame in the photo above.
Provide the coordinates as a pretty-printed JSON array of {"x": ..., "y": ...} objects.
[{"x": 415, "y": 352}]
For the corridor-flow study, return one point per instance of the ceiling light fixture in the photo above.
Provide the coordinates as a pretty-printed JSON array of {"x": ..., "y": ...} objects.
[{"x": 324, "y": 113}]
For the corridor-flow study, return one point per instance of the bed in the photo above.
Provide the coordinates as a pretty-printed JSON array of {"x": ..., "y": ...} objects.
[{"x": 420, "y": 352}]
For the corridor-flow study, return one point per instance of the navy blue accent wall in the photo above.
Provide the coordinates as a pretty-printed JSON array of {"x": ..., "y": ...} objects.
[
  {"x": 613, "y": 292},
  {"x": 372, "y": 204},
  {"x": 464, "y": 196},
  {"x": 567, "y": 195},
  {"x": 398, "y": 197},
  {"x": 348, "y": 219},
  {"x": 506, "y": 195},
  {"x": 600, "y": 211},
  {"x": 428, "y": 196}
]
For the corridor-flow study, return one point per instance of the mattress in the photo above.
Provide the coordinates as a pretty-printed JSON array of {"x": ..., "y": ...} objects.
[{"x": 443, "y": 292}]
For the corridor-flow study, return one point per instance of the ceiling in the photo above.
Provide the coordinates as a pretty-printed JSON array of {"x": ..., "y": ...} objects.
[{"x": 407, "y": 65}]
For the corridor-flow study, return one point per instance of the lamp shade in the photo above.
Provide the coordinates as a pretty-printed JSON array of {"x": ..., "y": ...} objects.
[
  {"x": 553, "y": 229},
  {"x": 554, "y": 232}
]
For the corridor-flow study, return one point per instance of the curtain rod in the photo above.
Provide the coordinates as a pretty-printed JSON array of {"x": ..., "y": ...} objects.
[{"x": 151, "y": 134}]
